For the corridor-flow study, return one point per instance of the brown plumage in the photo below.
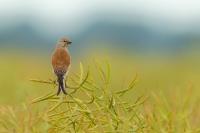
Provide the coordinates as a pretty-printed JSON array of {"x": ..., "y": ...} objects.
[{"x": 61, "y": 61}]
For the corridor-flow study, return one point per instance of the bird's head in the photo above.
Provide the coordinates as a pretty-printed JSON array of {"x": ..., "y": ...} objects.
[{"x": 64, "y": 42}]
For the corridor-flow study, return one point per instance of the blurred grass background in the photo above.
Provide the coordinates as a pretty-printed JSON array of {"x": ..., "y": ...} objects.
[
  {"x": 155, "y": 73},
  {"x": 171, "y": 85}
]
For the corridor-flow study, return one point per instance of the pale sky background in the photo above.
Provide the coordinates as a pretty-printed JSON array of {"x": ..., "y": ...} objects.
[{"x": 49, "y": 16}]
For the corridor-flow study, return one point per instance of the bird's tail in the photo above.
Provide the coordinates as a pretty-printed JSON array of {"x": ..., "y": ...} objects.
[{"x": 61, "y": 86}]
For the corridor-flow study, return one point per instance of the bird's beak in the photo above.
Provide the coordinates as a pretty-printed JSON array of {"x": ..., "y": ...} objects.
[{"x": 69, "y": 42}]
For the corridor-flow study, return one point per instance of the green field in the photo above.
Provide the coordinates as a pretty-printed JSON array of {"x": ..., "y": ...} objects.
[{"x": 107, "y": 93}]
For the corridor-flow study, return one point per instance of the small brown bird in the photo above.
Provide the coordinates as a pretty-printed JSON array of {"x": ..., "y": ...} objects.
[{"x": 61, "y": 61}]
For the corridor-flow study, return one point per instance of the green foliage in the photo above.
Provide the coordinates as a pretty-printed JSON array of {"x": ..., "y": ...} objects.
[
  {"x": 91, "y": 107},
  {"x": 95, "y": 105}
]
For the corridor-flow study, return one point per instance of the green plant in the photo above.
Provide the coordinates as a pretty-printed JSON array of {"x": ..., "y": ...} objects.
[{"x": 91, "y": 106}]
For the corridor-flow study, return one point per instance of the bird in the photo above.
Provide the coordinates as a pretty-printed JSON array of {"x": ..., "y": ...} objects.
[{"x": 61, "y": 61}]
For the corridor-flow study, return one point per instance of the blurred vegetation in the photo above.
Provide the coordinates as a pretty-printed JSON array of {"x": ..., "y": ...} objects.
[{"x": 115, "y": 93}]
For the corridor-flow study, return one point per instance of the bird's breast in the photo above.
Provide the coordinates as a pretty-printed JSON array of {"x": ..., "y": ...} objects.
[{"x": 61, "y": 59}]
